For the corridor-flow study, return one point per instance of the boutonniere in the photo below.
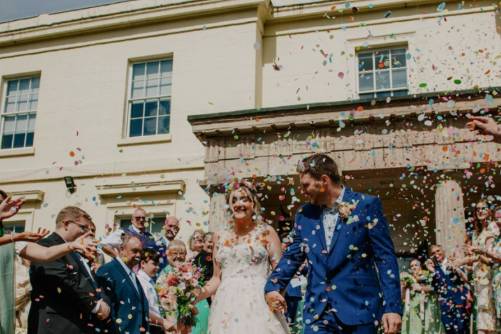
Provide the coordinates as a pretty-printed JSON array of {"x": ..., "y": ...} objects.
[{"x": 345, "y": 209}]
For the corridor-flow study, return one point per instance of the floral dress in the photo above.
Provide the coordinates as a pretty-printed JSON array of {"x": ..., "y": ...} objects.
[
  {"x": 239, "y": 306},
  {"x": 483, "y": 285}
]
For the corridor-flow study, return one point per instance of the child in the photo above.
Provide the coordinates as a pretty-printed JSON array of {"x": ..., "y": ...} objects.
[{"x": 146, "y": 276}]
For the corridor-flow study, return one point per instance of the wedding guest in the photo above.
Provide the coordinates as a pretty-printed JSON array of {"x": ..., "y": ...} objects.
[
  {"x": 483, "y": 240},
  {"x": 146, "y": 275},
  {"x": 129, "y": 305},
  {"x": 421, "y": 310},
  {"x": 22, "y": 291},
  {"x": 485, "y": 125},
  {"x": 64, "y": 296},
  {"x": 112, "y": 242},
  {"x": 8, "y": 208},
  {"x": 204, "y": 258},
  {"x": 495, "y": 255},
  {"x": 196, "y": 243},
  {"x": 171, "y": 229},
  {"x": 177, "y": 255},
  {"x": 448, "y": 282}
]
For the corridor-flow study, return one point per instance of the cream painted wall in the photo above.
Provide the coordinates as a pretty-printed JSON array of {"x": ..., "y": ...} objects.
[
  {"x": 84, "y": 90},
  {"x": 464, "y": 47}
]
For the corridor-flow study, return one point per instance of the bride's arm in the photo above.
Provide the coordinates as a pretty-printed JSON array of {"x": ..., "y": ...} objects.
[
  {"x": 274, "y": 246},
  {"x": 210, "y": 288}
]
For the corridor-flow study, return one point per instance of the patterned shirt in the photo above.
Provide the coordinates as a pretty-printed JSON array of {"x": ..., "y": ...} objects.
[{"x": 329, "y": 220}]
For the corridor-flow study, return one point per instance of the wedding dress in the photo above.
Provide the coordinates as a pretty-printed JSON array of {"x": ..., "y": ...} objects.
[{"x": 239, "y": 306}]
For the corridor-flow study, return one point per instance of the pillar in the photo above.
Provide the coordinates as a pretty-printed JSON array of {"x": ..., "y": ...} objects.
[
  {"x": 449, "y": 216},
  {"x": 218, "y": 215}
]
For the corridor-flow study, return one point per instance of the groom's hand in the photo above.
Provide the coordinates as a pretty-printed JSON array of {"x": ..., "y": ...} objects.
[
  {"x": 276, "y": 302},
  {"x": 391, "y": 323}
]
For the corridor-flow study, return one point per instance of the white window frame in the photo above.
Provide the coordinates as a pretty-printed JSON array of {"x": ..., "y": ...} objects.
[
  {"x": 4, "y": 114},
  {"x": 130, "y": 100},
  {"x": 375, "y": 91}
]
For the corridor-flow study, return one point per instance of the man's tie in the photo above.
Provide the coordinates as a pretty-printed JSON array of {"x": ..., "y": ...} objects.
[{"x": 86, "y": 269}]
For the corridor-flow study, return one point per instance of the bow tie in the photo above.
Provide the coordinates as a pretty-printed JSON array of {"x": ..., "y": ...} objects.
[{"x": 334, "y": 209}]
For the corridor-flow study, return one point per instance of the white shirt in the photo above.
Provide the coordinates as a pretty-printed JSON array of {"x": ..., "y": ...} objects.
[
  {"x": 148, "y": 285},
  {"x": 329, "y": 219},
  {"x": 129, "y": 272}
]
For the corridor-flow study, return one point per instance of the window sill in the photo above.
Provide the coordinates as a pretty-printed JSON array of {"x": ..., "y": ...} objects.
[
  {"x": 145, "y": 140},
  {"x": 16, "y": 152}
]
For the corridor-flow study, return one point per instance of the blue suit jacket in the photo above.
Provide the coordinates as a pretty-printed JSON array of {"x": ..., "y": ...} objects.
[
  {"x": 128, "y": 306},
  {"x": 358, "y": 276},
  {"x": 452, "y": 292}
]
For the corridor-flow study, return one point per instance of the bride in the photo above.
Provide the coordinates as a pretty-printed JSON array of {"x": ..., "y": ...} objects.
[{"x": 244, "y": 255}]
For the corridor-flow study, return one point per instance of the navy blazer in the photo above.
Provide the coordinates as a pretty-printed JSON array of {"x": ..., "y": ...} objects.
[
  {"x": 129, "y": 308},
  {"x": 358, "y": 277}
]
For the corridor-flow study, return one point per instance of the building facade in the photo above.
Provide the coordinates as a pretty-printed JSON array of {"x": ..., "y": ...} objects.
[{"x": 160, "y": 104}]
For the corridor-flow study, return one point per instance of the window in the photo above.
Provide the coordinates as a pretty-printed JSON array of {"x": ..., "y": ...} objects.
[
  {"x": 19, "y": 112},
  {"x": 16, "y": 227},
  {"x": 382, "y": 73},
  {"x": 155, "y": 224},
  {"x": 149, "y": 98}
]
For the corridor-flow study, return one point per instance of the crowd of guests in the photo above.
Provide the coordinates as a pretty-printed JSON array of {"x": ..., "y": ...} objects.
[
  {"x": 72, "y": 289},
  {"x": 441, "y": 294},
  {"x": 461, "y": 293}
]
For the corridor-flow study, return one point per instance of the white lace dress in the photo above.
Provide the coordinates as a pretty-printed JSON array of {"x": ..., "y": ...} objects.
[{"x": 239, "y": 305}]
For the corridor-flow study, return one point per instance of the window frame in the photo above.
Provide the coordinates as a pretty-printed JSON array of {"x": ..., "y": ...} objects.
[
  {"x": 28, "y": 113},
  {"x": 129, "y": 99},
  {"x": 391, "y": 90}
]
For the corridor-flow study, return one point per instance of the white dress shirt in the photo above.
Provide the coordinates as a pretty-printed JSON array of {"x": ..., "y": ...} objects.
[
  {"x": 129, "y": 272},
  {"x": 148, "y": 285}
]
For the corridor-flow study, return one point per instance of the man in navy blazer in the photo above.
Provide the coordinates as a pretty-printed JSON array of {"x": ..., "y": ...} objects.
[
  {"x": 353, "y": 278},
  {"x": 129, "y": 306}
]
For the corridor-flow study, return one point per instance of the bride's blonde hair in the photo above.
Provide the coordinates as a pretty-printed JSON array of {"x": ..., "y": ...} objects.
[{"x": 249, "y": 189}]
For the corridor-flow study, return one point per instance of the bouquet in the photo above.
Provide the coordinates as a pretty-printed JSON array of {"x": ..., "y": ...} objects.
[
  {"x": 176, "y": 293},
  {"x": 407, "y": 280}
]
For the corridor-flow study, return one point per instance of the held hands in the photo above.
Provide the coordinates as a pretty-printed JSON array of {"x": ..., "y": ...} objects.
[
  {"x": 276, "y": 302},
  {"x": 391, "y": 323},
  {"x": 9, "y": 207}
]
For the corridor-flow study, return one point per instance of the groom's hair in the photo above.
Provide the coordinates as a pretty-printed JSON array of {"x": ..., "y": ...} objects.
[{"x": 320, "y": 164}]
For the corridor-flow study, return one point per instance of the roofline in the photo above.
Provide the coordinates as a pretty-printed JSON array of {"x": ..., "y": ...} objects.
[
  {"x": 114, "y": 16},
  {"x": 55, "y": 12},
  {"x": 346, "y": 104}
]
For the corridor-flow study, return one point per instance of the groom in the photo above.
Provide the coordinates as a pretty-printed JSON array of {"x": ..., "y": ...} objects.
[{"x": 353, "y": 281}]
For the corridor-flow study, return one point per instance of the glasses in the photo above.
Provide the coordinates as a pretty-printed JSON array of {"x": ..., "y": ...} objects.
[
  {"x": 140, "y": 218},
  {"x": 83, "y": 227}
]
